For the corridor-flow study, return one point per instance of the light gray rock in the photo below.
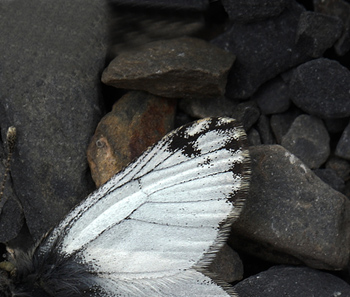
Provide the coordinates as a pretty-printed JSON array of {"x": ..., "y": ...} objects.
[{"x": 290, "y": 215}]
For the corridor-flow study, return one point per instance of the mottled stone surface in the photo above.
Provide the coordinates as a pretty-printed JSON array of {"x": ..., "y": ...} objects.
[
  {"x": 177, "y": 68},
  {"x": 321, "y": 87},
  {"x": 343, "y": 147},
  {"x": 291, "y": 216},
  {"x": 137, "y": 121},
  {"x": 292, "y": 282},
  {"x": 308, "y": 139},
  {"x": 51, "y": 54}
]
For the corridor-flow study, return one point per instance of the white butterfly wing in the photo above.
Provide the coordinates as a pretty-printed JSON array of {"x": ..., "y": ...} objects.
[{"x": 154, "y": 227}]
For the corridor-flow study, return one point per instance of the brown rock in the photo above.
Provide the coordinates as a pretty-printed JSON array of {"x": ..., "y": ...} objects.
[
  {"x": 177, "y": 68},
  {"x": 137, "y": 121}
]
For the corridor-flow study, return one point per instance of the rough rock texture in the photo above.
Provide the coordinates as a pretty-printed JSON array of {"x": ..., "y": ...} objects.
[
  {"x": 308, "y": 139},
  {"x": 177, "y": 68},
  {"x": 137, "y": 121},
  {"x": 321, "y": 87},
  {"x": 265, "y": 49},
  {"x": 340, "y": 9},
  {"x": 292, "y": 282},
  {"x": 51, "y": 54},
  {"x": 254, "y": 10},
  {"x": 312, "y": 29},
  {"x": 291, "y": 216}
]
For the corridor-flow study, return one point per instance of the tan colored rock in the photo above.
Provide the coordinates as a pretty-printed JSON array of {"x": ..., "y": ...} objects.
[{"x": 137, "y": 121}]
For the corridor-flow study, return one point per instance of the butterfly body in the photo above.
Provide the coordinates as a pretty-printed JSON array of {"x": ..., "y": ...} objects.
[{"x": 151, "y": 230}]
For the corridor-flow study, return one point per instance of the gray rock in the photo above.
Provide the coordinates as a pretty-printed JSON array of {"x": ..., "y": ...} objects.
[
  {"x": 343, "y": 147},
  {"x": 264, "y": 130},
  {"x": 321, "y": 87},
  {"x": 227, "y": 265},
  {"x": 204, "y": 107},
  {"x": 247, "y": 113},
  {"x": 280, "y": 123},
  {"x": 177, "y": 68},
  {"x": 273, "y": 97},
  {"x": 340, "y": 9},
  {"x": 308, "y": 139},
  {"x": 253, "y": 137},
  {"x": 252, "y": 11},
  {"x": 265, "y": 49},
  {"x": 51, "y": 57},
  {"x": 340, "y": 166},
  {"x": 292, "y": 282},
  {"x": 317, "y": 32},
  {"x": 331, "y": 178},
  {"x": 291, "y": 216}
]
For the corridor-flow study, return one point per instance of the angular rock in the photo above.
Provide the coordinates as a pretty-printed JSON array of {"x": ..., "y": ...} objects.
[
  {"x": 330, "y": 178},
  {"x": 51, "y": 54},
  {"x": 137, "y": 121},
  {"x": 291, "y": 216},
  {"x": 227, "y": 265},
  {"x": 317, "y": 32},
  {"x": 273, "y": 97},
  {"x": 308, "y": 139},
  {"x": 340, "y": 9},
  {"x": 264, "y": 50},
  {"x": 177, "y": 68},
  {"x": 292, "y": 282},
  {"x": 280, "y": 123},
  {"x": 343, "y": 147},
  {"x": 252, "y": 11},
  {"x": 321, "y": 87}
]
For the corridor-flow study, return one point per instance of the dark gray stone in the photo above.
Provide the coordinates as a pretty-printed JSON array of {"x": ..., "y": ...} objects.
[
  {"x": 264, "y": 129},
  {"x": 343, "y": 147},
  {"x": 280, "y": 123},
  {"x": 340, "y": 166},
  {"x": 340, "y": 9},
  {"x": 246, "y": 113},
  {"x": 177, "y": 68},
  {"x": 292, "y": 282},
  {"x": 308, "y": 139},
  {"x": 253, "y": 137},
  {"x": 254, "y": 10},
  {"x": 265, "y": 49},
  {"x": 51, "y": 56},
  {"x": 321, "y": 87},
  {"x": 204, "y": 107},
  {"x": 331, "y": 178},
  {"x": 292, "y": 216},
  {"x": 317, "y": 32},
  {"x": 273, "y": 97},
  {"x": 227, "y": 265}
]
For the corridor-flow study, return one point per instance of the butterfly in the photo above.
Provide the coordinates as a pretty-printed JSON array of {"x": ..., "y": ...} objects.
[{"x": 152, "y": 229}]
